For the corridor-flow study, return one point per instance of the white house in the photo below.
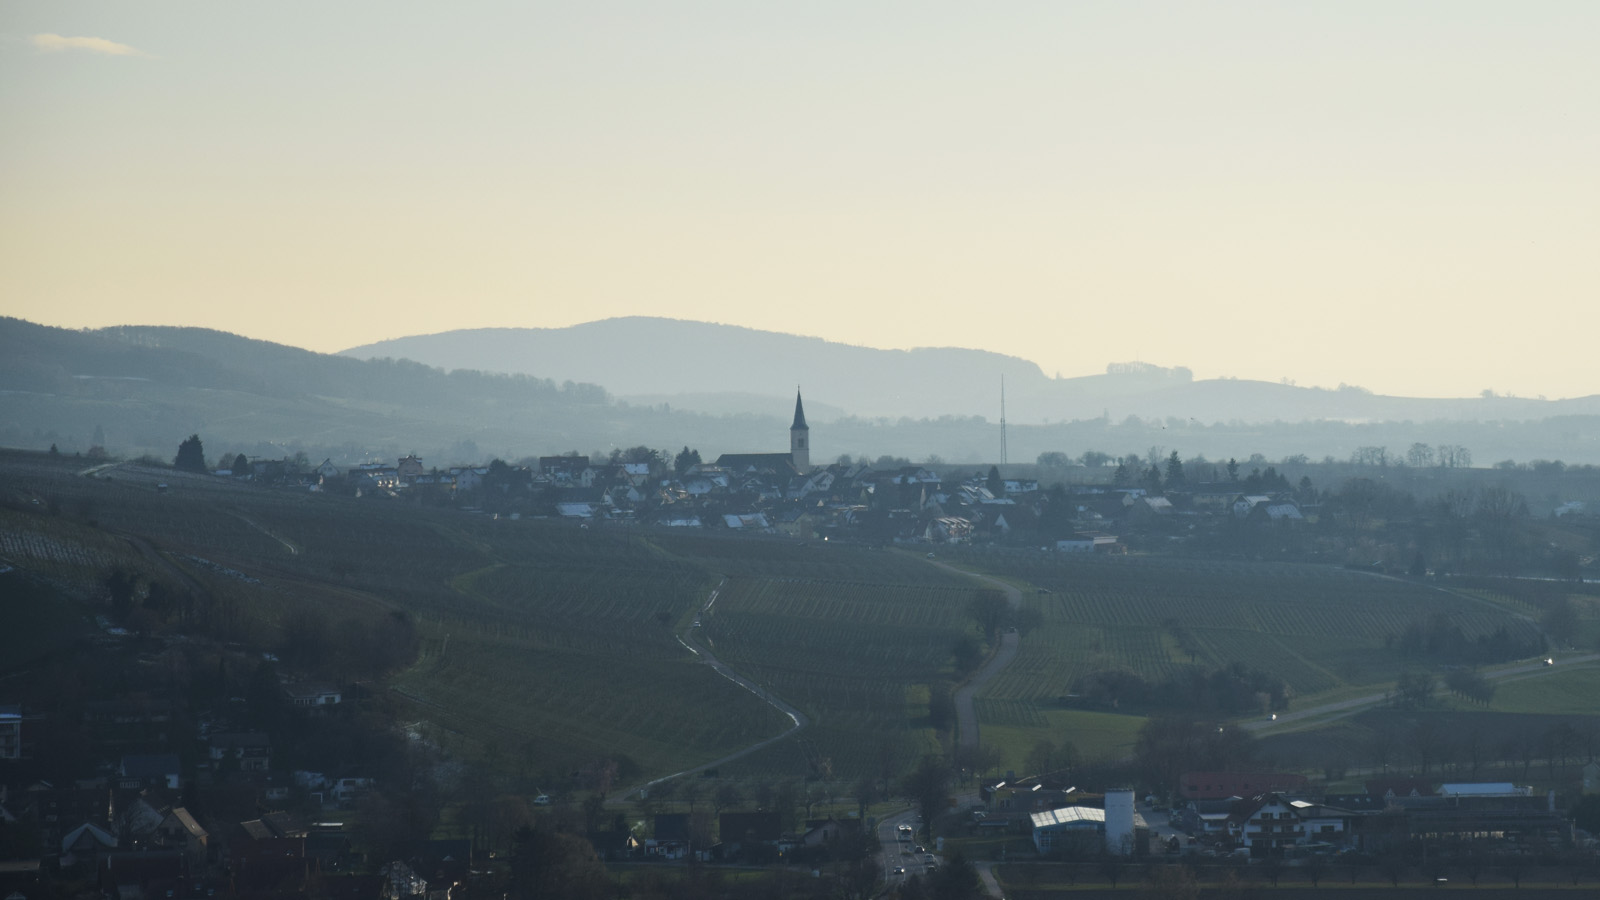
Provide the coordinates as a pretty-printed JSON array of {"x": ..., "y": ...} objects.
[
  {"x": 313, "y": 698},
  {"x": 1321, "y": 823},
  {"x": 252, "y": 750},
  {"x": 1271, "y": 824},
  {"x": 1245, "y": 503}
]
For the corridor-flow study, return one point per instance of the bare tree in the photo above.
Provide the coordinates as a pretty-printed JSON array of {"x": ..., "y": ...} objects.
[
  {"x": 1370, "y": 456},
  {"x": 1419, "y": 456}
]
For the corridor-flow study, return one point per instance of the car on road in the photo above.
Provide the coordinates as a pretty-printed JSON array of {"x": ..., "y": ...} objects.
[{"x": 899, "y": 870}]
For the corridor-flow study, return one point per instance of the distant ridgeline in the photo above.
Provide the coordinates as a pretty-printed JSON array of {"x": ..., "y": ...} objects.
[
  {"x": 1176, "y": 373},
  {"x": 624, "y": 383}
]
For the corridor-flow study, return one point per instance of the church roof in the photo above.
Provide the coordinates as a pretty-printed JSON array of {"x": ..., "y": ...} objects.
[
  {"x": 778, "y": 463},
  {"x": 799, "y": 415}
]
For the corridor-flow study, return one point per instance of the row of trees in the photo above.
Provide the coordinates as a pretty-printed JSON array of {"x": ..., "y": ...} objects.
[
  {"x": 1233, "y": 689},
  {"x": 1441, "y": 639},
  {"x": 1428, "y": 741},
  {"x": 1417, "y": 456}
]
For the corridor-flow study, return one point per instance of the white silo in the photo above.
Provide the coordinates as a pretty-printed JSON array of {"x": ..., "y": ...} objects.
[{"x": 1119, "y": 821}]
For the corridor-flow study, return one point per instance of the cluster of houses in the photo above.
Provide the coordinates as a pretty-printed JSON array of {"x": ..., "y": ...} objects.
[
  {"x": 131, "y": 829},
  {"x": 128, "y": 828},
  {"x": 782, "y": 493},
  {"x": 1275, "y": 814},
  {"x": 755, "y": 837}
]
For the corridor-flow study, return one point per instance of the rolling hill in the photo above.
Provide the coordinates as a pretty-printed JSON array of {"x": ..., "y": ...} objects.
[{"x": 725, "y": 368}]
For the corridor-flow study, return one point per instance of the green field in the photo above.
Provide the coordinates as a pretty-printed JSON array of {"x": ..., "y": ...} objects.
[
  {"x": 1324, "y": 631},
  {"x": 1318, "y": 628},
  {"x": 1013, "y": 728},
  {"x": 1565, "y": 691}
]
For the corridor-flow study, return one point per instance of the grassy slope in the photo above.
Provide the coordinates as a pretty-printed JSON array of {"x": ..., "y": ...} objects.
[{"x": 1322, "y": 630}]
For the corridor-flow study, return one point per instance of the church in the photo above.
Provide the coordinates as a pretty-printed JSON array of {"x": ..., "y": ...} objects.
[{"x": 797, "y": 461}]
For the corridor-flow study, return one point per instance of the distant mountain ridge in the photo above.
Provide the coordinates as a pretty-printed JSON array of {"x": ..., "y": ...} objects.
[
  {"x": 143, "y": 389},
  {"x": 724, "y": 369}
]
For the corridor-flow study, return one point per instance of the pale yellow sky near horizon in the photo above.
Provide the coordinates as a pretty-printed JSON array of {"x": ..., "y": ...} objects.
[{"x": 1400, "y": 195}]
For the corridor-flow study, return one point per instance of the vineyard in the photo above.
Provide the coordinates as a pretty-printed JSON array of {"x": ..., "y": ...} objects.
[
  {"x": 1320, "y": 630},
  {"x": 1317, "y": 628},
  {"x": 853, "y": 637},
  {"x": 537, "y": 638},
  {"x": 558, "y": 645}
]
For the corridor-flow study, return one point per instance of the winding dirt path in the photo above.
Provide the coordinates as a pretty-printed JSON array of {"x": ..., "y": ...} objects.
[
  {"x": 689, "y": 638},
  {"x": 966, "y": 695},
  {"x": 966, "y": 708},
  {"x": 287, "y": 545}
]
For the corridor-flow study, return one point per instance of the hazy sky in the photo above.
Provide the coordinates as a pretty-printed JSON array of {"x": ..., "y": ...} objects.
[{"x": 1400, "y": 195}]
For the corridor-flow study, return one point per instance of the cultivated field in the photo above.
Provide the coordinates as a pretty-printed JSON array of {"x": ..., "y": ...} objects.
[
  {"x": 550, "y": 645},
  {"x": 1323, "y": 631},
  {"x": 553, "y": 646},
  {"x": 853, "y": 637},
  {"x": 1318, "y": 628}
]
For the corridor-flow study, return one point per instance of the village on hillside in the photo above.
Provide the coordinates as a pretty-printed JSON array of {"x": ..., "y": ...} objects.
[{"x": 781, "y": 493}]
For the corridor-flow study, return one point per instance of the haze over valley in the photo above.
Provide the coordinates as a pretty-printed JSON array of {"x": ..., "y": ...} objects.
[{"x": 750, "y": 451}]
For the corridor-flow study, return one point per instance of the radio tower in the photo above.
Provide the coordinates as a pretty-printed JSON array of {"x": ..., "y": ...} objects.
[{"x": 1002, "y": 420}]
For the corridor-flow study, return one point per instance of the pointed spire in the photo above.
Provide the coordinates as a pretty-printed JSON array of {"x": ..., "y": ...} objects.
[{"x": 799, "y": 414}]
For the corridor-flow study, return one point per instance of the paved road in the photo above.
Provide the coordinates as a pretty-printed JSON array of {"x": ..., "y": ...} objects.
[
  {"x": 689, "y": 638},
  {"x": 966, "y": 708},
  {"x": 892, "y": 846},
  {"x": 991, "y": 884},
  {"x": 1340, "y": 709}
]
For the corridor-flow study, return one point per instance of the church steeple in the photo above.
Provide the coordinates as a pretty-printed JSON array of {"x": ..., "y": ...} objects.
[{"x": 800, "y": 437}]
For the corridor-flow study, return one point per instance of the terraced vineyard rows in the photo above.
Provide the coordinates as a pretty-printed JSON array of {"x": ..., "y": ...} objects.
[
  {"x": 1318, "y": 628},
  {"x": 779, "y": 558},
  {"x": 855, "y": 655},
  {"x": 565, "y": 704},
  {"x": 552, "y": 643}
]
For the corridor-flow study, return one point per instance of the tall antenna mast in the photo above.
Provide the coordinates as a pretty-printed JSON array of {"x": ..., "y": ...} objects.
[{"x": 1002, "y": 420}]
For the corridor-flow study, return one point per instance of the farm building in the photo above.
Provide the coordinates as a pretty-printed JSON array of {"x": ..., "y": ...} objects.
[
  {"x": 1071, "y": 829},
  {"x": 1083, "y": 829}
]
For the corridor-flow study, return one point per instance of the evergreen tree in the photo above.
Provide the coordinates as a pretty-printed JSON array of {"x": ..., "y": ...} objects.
[
  {"x": 685, "y": 460},
  {"x": 191, "y": 455},
  {"x": 1175, "y": 476},
  {"x": 1152, "y": 480}
]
